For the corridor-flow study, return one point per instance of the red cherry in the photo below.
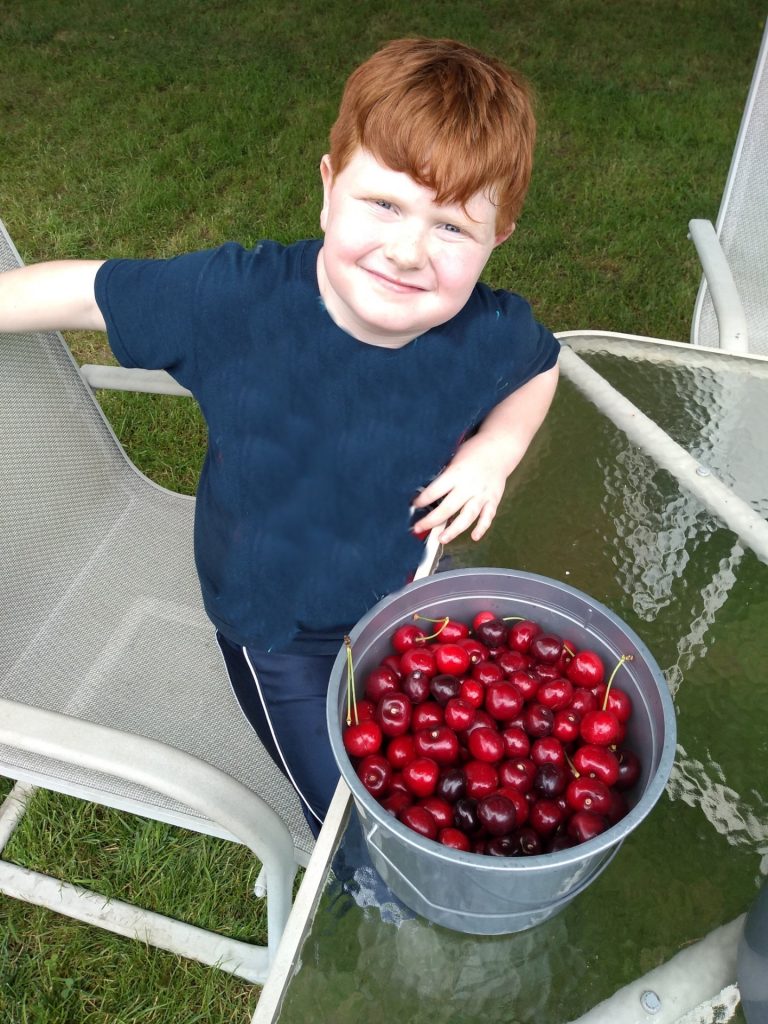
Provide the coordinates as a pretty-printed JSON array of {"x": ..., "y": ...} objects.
[
  {"x": 366, "y": 710},
  {"x": 382, "y": 680},
  {"x": 452, "y": 659},
  {"x": 392, "y": 661},
  {"x": 547, "y": 750},
  {"x": 459, "y": 715},
  {"x": 393, "y": 714},
  {"x": 585, "y": 794},
  {"x": 454, "y": 839},
  {"x": 619, "y": 807},
  {"x": 526, "y": 683},
  {"x": 421, "y": 775},
  {"x": 586, "y": 669},
  {"x": 440, "y": 810},
  {"x": 583, "y": 701},
  {"x": 375, "y": 773},
  {"x": 453, "y": 631},
  {"x": 522, "y": 806},
  {"x": 396, "y": 801},
  {"x": 566, "y": 725},
  {"x": 362, "y": 739},
  {"x": 475, "y": 650},
  {"x": 404, "y": 638},
  {"x": 516, "y": 741},
  {"x": 439, "y": 743},
  {"x": 420, "y": 820},
  {"x": 597, "y": 762},
  {"x": 520, "y": 636},
  {"x": 619, "y": 704},
  {"x": 518, "y": 774},
  {"x": 503, "y": 701},
  {"x": 512, "y": 661},
  {"x": 583, "y": 826},
  {"x": 400, "y": 751},
  {"x": 418, "y": 658},
  {"x": 426, "y": 716},
  {"x": 555, "y": 694},
  {"x": 486, "y": 745},
  {"x": 487, "y": 672},
  {"x": 481, "y": 778},
  {"x": 545, "y": 816},
  {"x": 600, "y": 728},
  {"x": 472, "y": 692},
  {"x": 481, "y": 617}
]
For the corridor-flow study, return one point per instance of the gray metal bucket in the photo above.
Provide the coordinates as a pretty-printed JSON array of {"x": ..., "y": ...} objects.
[{"x": 484, "y": 895}]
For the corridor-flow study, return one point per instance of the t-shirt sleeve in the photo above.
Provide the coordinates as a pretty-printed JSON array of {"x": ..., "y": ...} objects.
[
  {"x": 530, "y": 347},
  {"x": 161, "y": 314}
]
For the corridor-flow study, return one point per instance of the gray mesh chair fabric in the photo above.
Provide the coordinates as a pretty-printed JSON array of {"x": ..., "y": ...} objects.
[
  {"x": 742, "y": 223},
  {"x": 99, "y": 603}
]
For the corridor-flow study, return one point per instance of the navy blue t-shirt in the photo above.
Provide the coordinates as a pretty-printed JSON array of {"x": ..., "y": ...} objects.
[{"x": 317, "y": 442}]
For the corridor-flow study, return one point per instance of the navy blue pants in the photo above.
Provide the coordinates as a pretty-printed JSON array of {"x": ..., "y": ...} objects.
[{"x": 283, "y": 697}]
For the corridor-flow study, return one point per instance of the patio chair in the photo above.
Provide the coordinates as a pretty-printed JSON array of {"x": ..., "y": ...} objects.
[
  {"x": 731, "y": 310},
  {"x": 112, "y": 687}
]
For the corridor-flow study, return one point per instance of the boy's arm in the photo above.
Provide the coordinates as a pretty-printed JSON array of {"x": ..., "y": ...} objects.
[
  {"x": 472, "y": 484},
  {"x": 50, "y": 296}
]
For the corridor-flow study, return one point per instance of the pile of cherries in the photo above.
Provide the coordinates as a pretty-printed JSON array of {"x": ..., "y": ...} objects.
[{"x": 497, "y": 739}]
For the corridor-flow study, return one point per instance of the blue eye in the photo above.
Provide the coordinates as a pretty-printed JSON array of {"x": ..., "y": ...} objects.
[
  {"x": 452, "y": 228},
  {"x": 383, "y": 204}
]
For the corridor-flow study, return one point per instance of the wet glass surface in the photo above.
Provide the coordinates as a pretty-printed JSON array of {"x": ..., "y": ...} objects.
[{"x": 590, "y": 509}]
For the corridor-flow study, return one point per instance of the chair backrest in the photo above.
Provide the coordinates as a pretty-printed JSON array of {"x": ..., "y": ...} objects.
[{"x": 742, "y": 222}]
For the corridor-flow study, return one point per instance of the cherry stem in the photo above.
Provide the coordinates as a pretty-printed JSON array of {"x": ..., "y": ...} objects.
[
  {"x": 513, "y": 618},
  {"x": 351, "y": 695},
  {"x": 568, "y": 649},
  {"x": 572, "y": 766},
  {"x": 622, "y": 659},
  {"x": 443, "y": 623}
]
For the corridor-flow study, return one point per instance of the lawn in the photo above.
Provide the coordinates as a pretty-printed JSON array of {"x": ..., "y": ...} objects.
[{"x": 147, "y": 129}]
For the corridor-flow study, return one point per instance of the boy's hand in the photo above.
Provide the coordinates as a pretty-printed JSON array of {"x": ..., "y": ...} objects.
[{"x": 471, "y": 487}]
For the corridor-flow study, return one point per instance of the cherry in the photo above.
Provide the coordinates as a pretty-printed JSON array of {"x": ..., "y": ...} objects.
[
  {"x": 512, "y": 661},
  {"x": 394, "y": 714},
  {"x": 545, "y": 816},
  {"x": 502, "y": 846},
  {"x": 560, "y": 842},
  {"x": 366, "y": 710},
  {"x": 551, "y": 780},
  {"x": 518, "y": 774},
  {"x": 392, "y": 661},
  {"x": 444, "y": 687},
  {"x": 600, "y": 728},
  {"x": 400, "y": 751},
  {"x": 426, "y": 716},
  {"x": 418, "y": 658},
  {"x": 472, "y": 692},
  {"x": 584, "y": 825},
  {"x": 503, "y": 701},
  {"x": 375, "y": 773},
  {"x": 439, "y": 743},
  {"x": 406, "y": 637},
  {"x": 566, "y": 725},
  {"x": 619, "y": 807},
  {"x": 396, "y": 801},
  {"x": 546, "y": 648},
  {"x": 586, "y": 669},
  {"x": 538, "y": 720},
  {"x": 520, "y": 802},
  {"x": 453, "y": 631},
  {"x": 491, "y": 632},
  {"x": 452, "y": 659},
  {"x": 362, "y": 739},
  {"x": 619, "y": 704},
  {"x": 629, "y": 770},
  {"x": 421, "y": 775},
  {"x": 516, "y": 742},
  {"x": 420, "y": 820},
  {"x": 521, "y": 635},
  {"x": 440, "y": 810},
  {"x": 526, "y": 683},
  {"x": 487, "y": 672},
  {"x": 481, "y": 778},
  {"x": 583, "y": 700},
  {"x": 496, "y": 814},
  {"x": 459, "y": 715},
  {"x": 382, "y": 680},
  {"x": 415, "y": 686},
  {"x": 482, "y": 721},
  {"x": 555, "y": 693},
  {"x": 475, "y": 650},
  {"x": 548, "y": 750},
  {"x": 529, "y": 842},
  {"x": 452, "y": 785},
  {"x": 481, "y": 617},
  {"x": 585, "y": 794},
  {"x": 486, "y": 744},
  {"x": 465, "y": 815},
  {"x": 454, "y": 839},
  {"x": 598, "y": 762}
]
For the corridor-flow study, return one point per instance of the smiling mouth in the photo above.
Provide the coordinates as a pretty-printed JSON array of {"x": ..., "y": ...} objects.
[{"x": 393, "y": 284}]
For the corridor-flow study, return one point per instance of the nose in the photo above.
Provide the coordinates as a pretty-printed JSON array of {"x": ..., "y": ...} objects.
[{"x": 406, "y": 247}]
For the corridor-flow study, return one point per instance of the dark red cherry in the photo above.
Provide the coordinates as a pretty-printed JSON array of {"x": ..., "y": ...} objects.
[
  {"x": 487, "y": 672},
  {"x": 492, "y": 633},
  {"x": 585, "y": 794},
  {"x": 502, "y": 846},
  {"x": 547, "y": 648},
  {"x": 545, "y": 816},
  {"x": 518, "y": 774},
  {"x": 380, "y": 681},
  {"x": 555, "y": 694},
  {"x": 459, "y": 715},
  {"x": 629, "y": 770},
  {"x": 516, "y": 741},
  {"x": 619, "y": 704},
  {"x": 551, "y": 780},
  {"x": 566, "y": 725},
  {"x": 496, "y": 814},
  {"x": 396, "y": 801},
  {"x": 538, "y": 720},
  {"x": 440, "y": 810},
  {"x": 375, "y": 773},
  {"x": 503, "y": 701},
  {"x": 452, "y": 785},
  {"x": 548, "y": 750},
  {"x": 512, "y": 661},
  {"x": 465, "y": 815},
  {"x": 444, "y": 687},
  {"x": 473, "y": 692},
  {"x": 415, "y": 686},
  {"x": 529, "y": 842}
]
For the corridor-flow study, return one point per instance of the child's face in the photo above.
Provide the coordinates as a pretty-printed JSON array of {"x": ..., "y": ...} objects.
[{"x": 394, "y": 263}]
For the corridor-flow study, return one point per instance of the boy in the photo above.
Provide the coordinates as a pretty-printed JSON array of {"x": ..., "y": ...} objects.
[{"x": 341, "y": 379}]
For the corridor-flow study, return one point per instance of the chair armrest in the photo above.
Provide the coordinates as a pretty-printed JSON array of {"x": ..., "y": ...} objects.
[
  {"x": 119, "y": 378},
  {"x": 722, "y": 288}
]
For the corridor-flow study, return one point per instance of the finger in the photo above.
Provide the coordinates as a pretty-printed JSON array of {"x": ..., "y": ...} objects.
[
  {"x": 433, "y": 492},
  {"x": 440, "y": 515},
  {"x": 485, "y": 519},
  {"x": 462, "y": 521}
]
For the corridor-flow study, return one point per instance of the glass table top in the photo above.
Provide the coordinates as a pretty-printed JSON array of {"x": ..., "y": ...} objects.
[{"x": 592, "y": 509}]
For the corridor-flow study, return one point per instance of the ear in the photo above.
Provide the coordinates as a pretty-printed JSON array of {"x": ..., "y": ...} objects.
[
  {"x": 326, "y": 173},
  {"x": 502, "y": 236}
]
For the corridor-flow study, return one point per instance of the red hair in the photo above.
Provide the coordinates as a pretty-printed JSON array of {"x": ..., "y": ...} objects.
[{"x": 455, "y": 120}]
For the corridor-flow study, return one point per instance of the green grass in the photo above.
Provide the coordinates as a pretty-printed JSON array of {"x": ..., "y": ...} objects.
[{"x": 149, "y": 128}]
